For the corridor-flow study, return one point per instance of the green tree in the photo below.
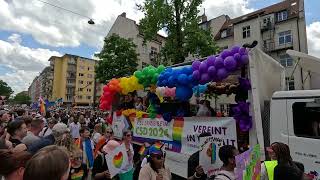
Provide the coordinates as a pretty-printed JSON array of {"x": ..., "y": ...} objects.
[
  {"x": 22, "y": 98},
  {"x": 181, "y": 21},
  {"x": 5, "y": 90},
  {"x": 118, "y": 58}
]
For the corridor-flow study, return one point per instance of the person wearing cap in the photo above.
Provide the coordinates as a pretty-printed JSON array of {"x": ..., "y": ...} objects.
[
  {"x": 155, "y": 169},
  {"x": 100, "y": 167},
  {"x": 58, "y": 131}
]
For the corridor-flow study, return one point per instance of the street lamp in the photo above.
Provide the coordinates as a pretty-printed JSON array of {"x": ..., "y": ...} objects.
[{"x": 91, "y": 22}]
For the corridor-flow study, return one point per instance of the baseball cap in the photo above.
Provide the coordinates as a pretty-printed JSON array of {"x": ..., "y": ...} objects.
[
  {"x": 155, "y": 149},
  {"x": 60, "y": 128}
]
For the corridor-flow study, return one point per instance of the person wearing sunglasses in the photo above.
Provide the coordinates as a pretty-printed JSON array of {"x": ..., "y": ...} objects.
[
  {"x": 108, "y": 135},
  {"x": 155, "y": 169},
  {"x": 127, "y": 141}
]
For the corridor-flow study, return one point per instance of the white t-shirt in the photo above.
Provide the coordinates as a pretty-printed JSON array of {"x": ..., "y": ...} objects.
[
  {"x": 227, "y": 175},
  {"x": 96, "y": 136},
  {"x": 130, "y": 159},
  {"x": 45, "y": 132},
  {"x": 74, "y": 129}
]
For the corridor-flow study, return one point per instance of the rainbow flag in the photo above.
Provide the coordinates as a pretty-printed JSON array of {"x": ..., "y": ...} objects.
[
  {"x": 42, "y": 105},
  {"x": 142, "y": 150}
]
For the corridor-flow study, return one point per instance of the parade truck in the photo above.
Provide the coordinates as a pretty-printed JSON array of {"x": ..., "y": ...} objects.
[{"x": 274, "y": 115}]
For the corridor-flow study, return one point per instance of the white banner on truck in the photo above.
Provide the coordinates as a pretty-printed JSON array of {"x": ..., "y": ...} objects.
[
  {"x": 223, "y": 132},
  {"x": 157, "y": 128}
]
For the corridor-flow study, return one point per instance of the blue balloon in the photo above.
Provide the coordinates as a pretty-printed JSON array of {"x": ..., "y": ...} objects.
[
  {"x": 171, "y": 82},
  {"x": 183, "y": 79},
  {"x": 183, "y": 93}
]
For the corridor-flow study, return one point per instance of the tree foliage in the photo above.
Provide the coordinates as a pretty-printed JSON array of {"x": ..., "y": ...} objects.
[
  {"x": 118, "y": 58},
  {"x": 181, "y": 21},
  {"x": 22, "y": 98},
  {"x": 5, "y": 89}
]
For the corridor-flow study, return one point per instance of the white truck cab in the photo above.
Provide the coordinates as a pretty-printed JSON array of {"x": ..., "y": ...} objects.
[{"x": 295, "y": 120}]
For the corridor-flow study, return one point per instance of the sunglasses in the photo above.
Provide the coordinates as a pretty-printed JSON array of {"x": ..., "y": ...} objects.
[
  {"x": 128, "y": 135},
  {"x": 110, "y": 132}
]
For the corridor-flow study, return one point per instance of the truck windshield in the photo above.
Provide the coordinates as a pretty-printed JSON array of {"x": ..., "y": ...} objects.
[{"x": 306, "y": 119}]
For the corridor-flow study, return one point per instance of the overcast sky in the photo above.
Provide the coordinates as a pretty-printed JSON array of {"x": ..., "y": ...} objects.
[{"x": 31, "y": 31}]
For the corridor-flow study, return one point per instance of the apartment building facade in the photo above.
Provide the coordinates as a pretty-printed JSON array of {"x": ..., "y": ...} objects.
[
  {"x": 34, "y": 90},
  {"x": 129, "y": 29},
  {"x": 74, "y": 80},
  {"x": 277, "y": 28}
]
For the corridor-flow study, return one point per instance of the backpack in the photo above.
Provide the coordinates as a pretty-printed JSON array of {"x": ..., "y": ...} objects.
[{"x": 220, "y": 174}]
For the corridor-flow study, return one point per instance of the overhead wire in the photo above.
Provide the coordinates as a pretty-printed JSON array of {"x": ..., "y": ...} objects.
[{"x": 62, "y": 8}]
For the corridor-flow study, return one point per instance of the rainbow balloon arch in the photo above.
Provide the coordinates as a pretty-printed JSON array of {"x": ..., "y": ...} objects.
[{"x": 177, "y": 82}]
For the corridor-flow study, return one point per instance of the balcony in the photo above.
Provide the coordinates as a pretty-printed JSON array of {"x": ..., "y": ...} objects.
[
  {"x": 267, "y": 26},
  {"x": 273, "y": 47}
]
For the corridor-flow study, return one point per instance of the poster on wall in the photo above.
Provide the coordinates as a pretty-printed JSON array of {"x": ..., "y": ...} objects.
[
  {"x": 248, "y": 164},
  {"x": 117, "y": 160}
]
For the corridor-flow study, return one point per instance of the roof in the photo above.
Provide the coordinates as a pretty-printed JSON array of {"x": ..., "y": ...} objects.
[
  {"x": 292, "y": 6},
  {"x": 296, "y": 94}
]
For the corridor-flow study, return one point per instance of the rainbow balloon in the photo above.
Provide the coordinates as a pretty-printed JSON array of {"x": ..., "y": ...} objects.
[{"x": 117, "y": 160}]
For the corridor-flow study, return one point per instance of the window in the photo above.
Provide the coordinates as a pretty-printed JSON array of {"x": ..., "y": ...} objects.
[
  {"x": 285, "y": 37},
  {"x": 80, "y": 97},
  {"x": 306, "y": 121},
  {"x": 88, "y": 90},
  {"x": 70, "y": 81},
  {"x": 154, "y": 50},
  {"x": 266, "y": 20},
  {"x": 144, "y": 64},
  {"x": 80, "y": 82},
  {"x": 89, "y": 68},
  {"x": 81, "y": 67},
  {"x": 290, "y": 83},
  {"x": 246, "y": 32},
  {"x": 282, "y": 16},
  {"x": 69, "y": 90},
  {"x": 89, "y": 97},
  {"x": 89, "y": 82},
  {"x": 224, "y": 34},
  {"x": 80, "y": 89},
  {"x": 145, "y": 49},
  {"x": 81, "y": 74},
  {"x": 286, "y": 60},
  {"x": 69, "y": 98},
  {"x": 225, "y": 47}
]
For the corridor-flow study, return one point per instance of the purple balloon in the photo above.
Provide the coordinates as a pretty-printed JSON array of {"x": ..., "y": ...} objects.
[
  {"x": 230, "y": 63},
  {"x": 244, "y": 60},
  {"x": 212, "y": 71},
  {"x": 211, "y": 60},
  {"x": 204, "y": 78},
  {"x": 237, "y": 56},
  {"x": 218, "y": 63},
  {"x": 196, "y": 65},
  {"x": 243, "y": 51},
  {"x": 235, "y": 49},
  {"x": 203, "y": 67},
  {"x": 222, "y": 73},
  {"x": 225, "y": 53},
  {"x": 196, "y": 75}
]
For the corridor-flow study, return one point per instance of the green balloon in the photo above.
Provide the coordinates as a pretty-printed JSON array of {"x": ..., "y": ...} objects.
[
  {"x": 161, "y": 68},
  {"x": 145, "y": 70},
  {"x": 138, "y": 74},
  {"x": 152, "y": 72}
]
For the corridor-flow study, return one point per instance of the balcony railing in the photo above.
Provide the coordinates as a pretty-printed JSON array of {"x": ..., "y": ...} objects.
[
  {"x": 272, "y": 46},
  {"x": 266, "y": 26}
]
